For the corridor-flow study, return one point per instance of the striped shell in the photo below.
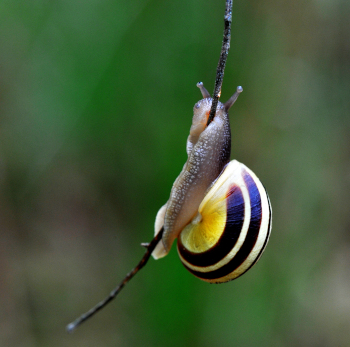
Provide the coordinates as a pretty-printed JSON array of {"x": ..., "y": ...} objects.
[{"x": 231, "y": 229}]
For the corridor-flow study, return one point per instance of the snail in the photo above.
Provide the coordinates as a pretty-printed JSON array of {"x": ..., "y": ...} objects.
[{"x": 218, "y": 209}]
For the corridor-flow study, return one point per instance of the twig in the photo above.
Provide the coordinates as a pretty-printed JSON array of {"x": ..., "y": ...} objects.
[
  {"x": 152, "y": 245},
  {"x": 222, "y": 61},
  {"x": 150, "y": 248}
]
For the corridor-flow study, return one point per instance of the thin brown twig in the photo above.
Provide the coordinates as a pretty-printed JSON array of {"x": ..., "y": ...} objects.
[
  {"x": 150, "y": 248},
  {"x": 222, "y": 61}
]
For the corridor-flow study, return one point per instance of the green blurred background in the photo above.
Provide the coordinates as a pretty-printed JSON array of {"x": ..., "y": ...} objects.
[{"x": 96, "y": 103}]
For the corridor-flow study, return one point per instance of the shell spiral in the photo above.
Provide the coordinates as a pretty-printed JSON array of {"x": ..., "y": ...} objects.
[{"x": 231, "y": 229}]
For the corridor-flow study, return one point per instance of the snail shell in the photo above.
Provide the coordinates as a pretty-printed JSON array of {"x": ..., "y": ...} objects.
[
  {"x": 218, "y": 210},
  {"x": 231, "y": 228}
]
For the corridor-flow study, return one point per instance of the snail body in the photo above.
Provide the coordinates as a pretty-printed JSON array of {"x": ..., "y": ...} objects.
[{"x": 218, "y": 209}]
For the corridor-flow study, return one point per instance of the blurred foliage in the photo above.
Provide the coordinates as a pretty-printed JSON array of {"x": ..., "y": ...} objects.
[{"x": 96, "y": 103}]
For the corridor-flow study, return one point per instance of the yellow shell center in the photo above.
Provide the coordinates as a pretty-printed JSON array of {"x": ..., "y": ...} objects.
[{"x": 206, "y": 227}]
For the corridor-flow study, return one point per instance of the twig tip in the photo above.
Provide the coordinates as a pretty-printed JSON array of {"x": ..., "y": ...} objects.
[{"x": 70, "y": 327}]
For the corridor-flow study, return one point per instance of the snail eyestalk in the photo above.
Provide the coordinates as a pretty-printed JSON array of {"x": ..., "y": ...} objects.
[
  {"x": 222, "y": 61},
  {"x": 233, "y": 98},
  {"x": 151, "y": 246},
  {"x": 204, "y": 92}
]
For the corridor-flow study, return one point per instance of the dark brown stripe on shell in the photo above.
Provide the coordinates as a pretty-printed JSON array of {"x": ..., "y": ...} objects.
[
  {"x": 229, "y": 237},
  {"x": 266, "y": 239},
  {"x": 250, "y": 240}
]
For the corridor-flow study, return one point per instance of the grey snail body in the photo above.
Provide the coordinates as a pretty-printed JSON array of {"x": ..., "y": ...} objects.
[{"x": 218, "y": 209}]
